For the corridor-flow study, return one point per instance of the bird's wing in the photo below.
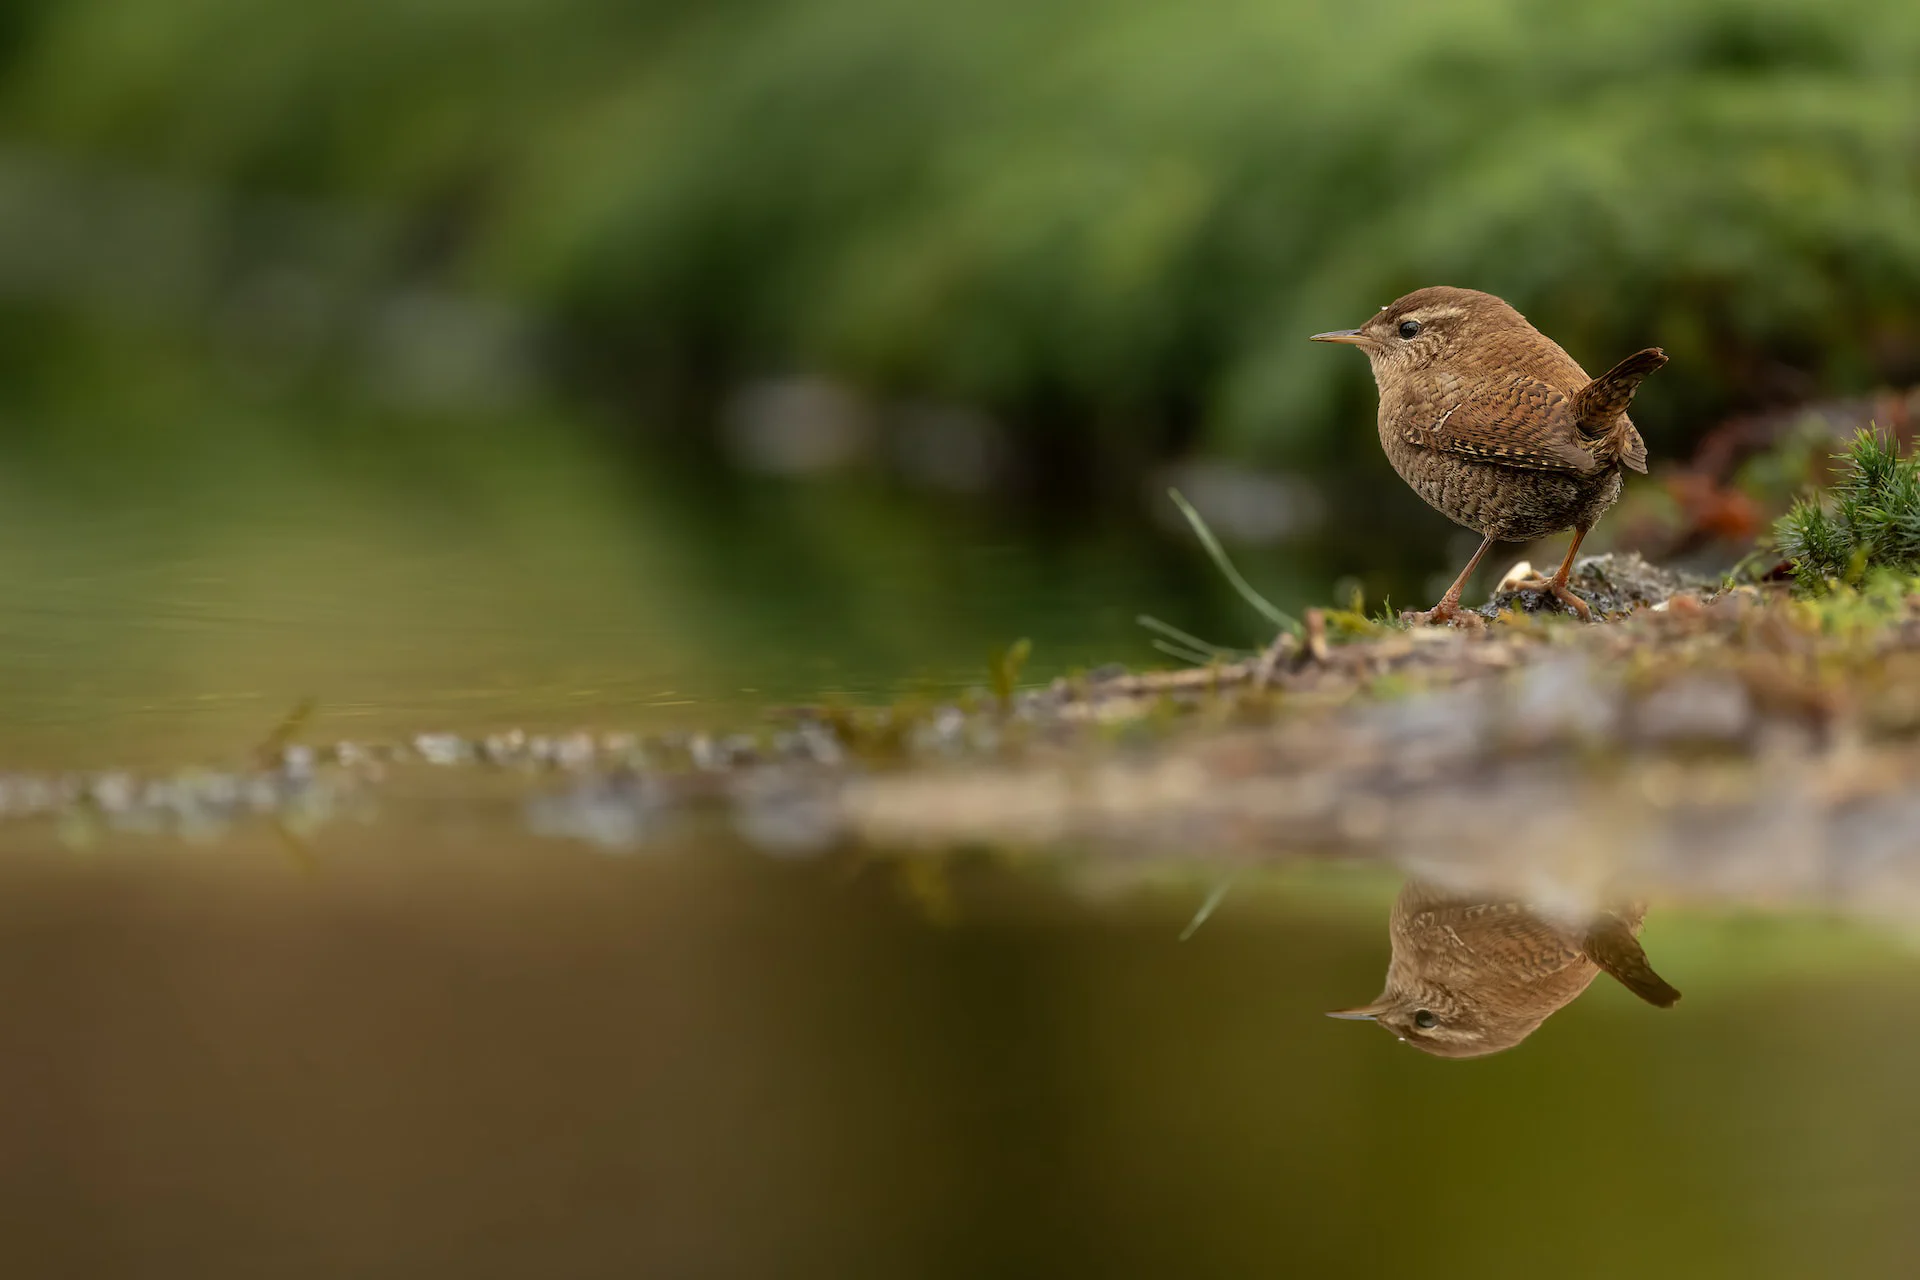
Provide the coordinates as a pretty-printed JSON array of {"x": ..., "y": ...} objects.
[
  {"x": 1520, "y": 422},
  {"x": 1523, "y": 940}
]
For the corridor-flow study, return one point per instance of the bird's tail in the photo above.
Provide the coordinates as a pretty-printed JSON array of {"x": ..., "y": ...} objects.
[
  {"x": 1601, "y": 407},
  {"x": 1611, "y": 944}
]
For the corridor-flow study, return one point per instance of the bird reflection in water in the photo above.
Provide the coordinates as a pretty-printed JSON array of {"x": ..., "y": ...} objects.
[{"x": 1471, "y": 976}]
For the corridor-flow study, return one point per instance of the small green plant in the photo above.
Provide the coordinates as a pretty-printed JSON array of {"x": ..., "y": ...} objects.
[
  {"x": 1869, "y": 520},
  {"x": 1003, "y": 670}
]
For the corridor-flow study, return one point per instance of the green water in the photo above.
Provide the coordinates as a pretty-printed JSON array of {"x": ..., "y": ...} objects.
[
  {"x": 162, "y": 623},
  {"x": 433, "y": 1044}
]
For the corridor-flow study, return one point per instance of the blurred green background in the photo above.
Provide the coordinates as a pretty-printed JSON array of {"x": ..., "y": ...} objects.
[{"x": 1110, "y": 224}]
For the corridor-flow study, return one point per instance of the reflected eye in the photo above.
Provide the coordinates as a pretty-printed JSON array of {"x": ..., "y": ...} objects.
[
  {"x": 1409, "y": 327},
  {"x": 1424, "y": 1018}
]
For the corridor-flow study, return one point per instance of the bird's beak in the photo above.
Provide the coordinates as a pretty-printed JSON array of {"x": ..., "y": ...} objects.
[
  {"x": 1366, "y": 1013},
  {"x": 1352, "y": 337}
]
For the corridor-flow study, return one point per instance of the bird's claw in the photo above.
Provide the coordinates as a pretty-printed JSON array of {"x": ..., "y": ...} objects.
[
  {"x": 1558, "y": 590},
  {"x": 1446, "y": 613}
]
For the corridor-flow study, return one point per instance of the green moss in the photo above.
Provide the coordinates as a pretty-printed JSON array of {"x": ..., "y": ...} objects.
[
  {"x": 1868, "y": 523},
  {"x": 1861, "y": 609}
]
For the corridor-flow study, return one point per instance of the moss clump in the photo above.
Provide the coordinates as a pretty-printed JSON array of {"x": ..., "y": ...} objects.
[{"x": 1869, "y": 520}]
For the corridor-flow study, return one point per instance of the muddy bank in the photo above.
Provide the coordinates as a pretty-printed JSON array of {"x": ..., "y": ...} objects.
[{"x": 1735, "y": 746}]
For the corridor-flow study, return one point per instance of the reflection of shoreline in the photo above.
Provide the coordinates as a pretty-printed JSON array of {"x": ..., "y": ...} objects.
[{"x": 1470, "y": 977}]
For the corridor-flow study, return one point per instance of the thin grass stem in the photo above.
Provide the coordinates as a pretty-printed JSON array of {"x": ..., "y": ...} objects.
[
  {"x": 1178, "y": 636},
  {"x": 1260, "y": 603}
]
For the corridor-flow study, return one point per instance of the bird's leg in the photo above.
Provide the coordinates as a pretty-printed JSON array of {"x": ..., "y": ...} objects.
[
  {"x": 1449, "y": 610},
  {"x": 1557, "y": 587}
]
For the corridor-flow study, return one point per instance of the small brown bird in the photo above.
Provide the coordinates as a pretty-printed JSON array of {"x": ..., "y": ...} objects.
[
  {"x": 1471, "y": 977},
  {"x": 1497, "y": 427}
]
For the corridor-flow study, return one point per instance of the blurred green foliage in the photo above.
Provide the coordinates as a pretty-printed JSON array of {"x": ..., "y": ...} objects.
[{"x": 1117, "y": 219}]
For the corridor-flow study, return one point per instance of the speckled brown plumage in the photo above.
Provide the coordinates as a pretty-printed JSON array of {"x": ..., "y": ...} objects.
[
  {"x": 1485, "y": 974},
  {"x": 1495, "y": 426}
]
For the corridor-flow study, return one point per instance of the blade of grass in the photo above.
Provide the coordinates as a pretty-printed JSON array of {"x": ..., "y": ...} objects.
[
  {"x": 1194, "y": 656},
  {"x": 1260, "y": 603},
  {"x": 1180, "y": 637},
  {"x": 1214, "y": 899},
  {"x": 270, "y": 747}
]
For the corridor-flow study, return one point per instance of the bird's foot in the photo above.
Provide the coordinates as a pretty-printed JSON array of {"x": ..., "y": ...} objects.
[
  {"x": 1447, "y": 613},
  {"x": 1558, "y": 589}
]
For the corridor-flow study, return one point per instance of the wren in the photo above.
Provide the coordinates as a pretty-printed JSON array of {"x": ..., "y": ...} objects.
[
  {"x": 1497, "y": 427},
  {"x": 1471, "y": 976}
]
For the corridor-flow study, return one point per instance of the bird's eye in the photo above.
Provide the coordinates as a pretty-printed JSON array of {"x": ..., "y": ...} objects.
[
  {"x": 1424, "y": 1018},
  {"x": 1409, "y": 327}
]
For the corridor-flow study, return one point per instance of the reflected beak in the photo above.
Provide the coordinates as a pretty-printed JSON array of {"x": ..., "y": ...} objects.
[
  {"x": 1354, "y": 1015},
  {"x": 1352, "y": 337}
]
